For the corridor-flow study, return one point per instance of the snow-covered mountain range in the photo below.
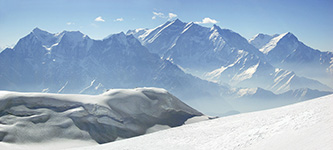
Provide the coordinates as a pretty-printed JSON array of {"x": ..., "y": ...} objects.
[
  {"x": 177, "y": 56},
  {"x": 195, "y": 47},
  {"x": 115, "y": 114},
  {"x": 221, "y": 55},
  {"x": 71, "y": 62}
]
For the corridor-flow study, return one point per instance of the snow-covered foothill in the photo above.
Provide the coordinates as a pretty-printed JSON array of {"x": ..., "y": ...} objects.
[
  {"x": 30, "y": 118},
  {"x": 306, "y": 125}
]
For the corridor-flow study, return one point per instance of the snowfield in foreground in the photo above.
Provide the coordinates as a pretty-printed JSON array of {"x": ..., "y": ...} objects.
[
  {"x": 57, "y": 121},
  {"x": 307, "y": 125}
]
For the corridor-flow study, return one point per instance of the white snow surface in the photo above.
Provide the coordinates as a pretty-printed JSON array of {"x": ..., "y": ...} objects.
[{"x": 304, "y": 126}]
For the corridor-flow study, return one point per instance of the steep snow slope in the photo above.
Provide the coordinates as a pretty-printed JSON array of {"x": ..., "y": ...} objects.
[
  {"x": 287, "y": 52},
  {"x": 306, "y": 125},
  {"x": 27, "y": 118}
]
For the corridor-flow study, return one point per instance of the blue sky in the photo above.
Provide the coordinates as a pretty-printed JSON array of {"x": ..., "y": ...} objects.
[{"x": 310, "y": 20}]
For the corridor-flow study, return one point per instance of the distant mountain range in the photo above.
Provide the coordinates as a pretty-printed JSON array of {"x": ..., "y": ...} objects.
[
  {"x": 71, "y": 62},
  {"x": 223, "y": 56},
  {"x": 205, "y": 67}
]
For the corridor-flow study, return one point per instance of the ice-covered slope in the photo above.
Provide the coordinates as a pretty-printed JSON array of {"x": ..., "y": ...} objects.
[
  {"x": 306, "y": 125},
  {"x": 27, "y": 118},
  {"x": 287, "y": 52}
]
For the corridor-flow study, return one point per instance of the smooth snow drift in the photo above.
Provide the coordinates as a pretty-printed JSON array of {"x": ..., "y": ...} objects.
[
  {"x": 27, "y": 118},
  {"x": 307, "y": 125}
]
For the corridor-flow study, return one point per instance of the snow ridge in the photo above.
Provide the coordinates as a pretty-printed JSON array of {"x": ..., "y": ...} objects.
[{"x": 123, "y": 113}]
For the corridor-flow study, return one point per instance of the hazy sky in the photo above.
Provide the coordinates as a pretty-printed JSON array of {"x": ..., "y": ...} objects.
[{"x": 310, "y": 20}]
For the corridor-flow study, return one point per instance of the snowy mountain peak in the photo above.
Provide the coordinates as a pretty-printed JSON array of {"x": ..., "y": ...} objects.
[
  {"x": 121, "y": 37},
  {"x": 215, "y": 27},
  {"x": 73, "y": 35},
  {"x": 122, "y": 40},
  {"x": 288, "y": 35},
  {"x": 263, "y": 36},
  {"x": 260, "y": 39},
  {"x": 47, "y": 39},
  {"x": 74, "y": 41},
  {"x": 189, "y": 24},
  {"x": 41, "y": 34},
  {"x": 269, "y": 43},
  {"x": 266, "y": 43},
  {"x": 38, "y": 30},
  {"x": 177, "y": 21}
]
